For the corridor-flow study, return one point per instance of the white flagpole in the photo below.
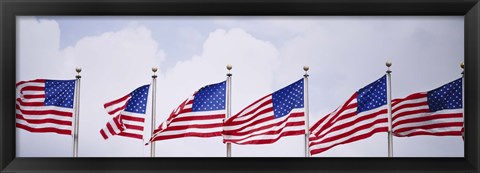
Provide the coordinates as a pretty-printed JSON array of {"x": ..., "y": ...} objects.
[
  {"x": 463, "y": 98},
  {"x": 77, "y": 112},
  {"x": 389, "y": 103},
  {"x": 154, "y": 96},
  {"x": 307, "y": 125},
  {"x": 229, "y": 103}
]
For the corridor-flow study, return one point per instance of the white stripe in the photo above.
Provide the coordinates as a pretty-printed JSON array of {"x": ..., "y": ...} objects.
[
  {"x": 39, "y": 84},
  {"x": 272, "y": 136},
  {"x": 47, "y": 116},
  {"x": 33, "y": 92},
  {"x": 134, "y": 131},
  {"x": 403, "y": 117},
  {"x": 427, "y": 114},
  {"x": 35, "y": 100},
  {"x": 274, "y": 128},
  {"x": 44, "y": 125},
  {"x": 196, "y": 122},
  {"x": 412, "y": 101},
  {"x": 45, "y": 108},
  {"x": 434, "y": 130},
  {"x": 358, "y": 133},
  {"x": 133, "y": 123},
  {"x": 132, "y": 114},
  {"x": 429, "y": 122}
]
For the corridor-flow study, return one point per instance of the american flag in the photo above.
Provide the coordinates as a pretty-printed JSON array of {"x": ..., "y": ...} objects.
[
  {"x": 200, "y": 115},
  {"x": 128, "y": 114},
  {"x": 269, "y": 118},
  {"x": 363, "y": 115},
  {"x": 437, "y": 112},
  {"x": 45, "y": 106}
]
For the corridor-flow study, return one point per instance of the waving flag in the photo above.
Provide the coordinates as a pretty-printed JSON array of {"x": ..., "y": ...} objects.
[
  {"x": 45, "y": 106},
  {"x": 269, "y": 118},
  {"x": 128, "y": 114},
  {"x": 200, "y": 115},
  {"x": 438, "y": 112},
  {"x": 363, "y": 115}
]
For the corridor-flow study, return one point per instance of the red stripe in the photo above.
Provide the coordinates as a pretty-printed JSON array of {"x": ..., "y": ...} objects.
[
  {"x": 355, "y": 138},
  {"x": 134, "y": 127},
  {"x": 116, "y": 101},
  {"x": 32, "y": 88},
  {"x": 354, "y": 122},
  {"x": 44, "y": 112},
  {"x": 348, "y": 133},
  {"x": 269, "y": 141},
  {"x": 428, "y": 118},
  {"x": 110, "y": 129},
  {"x": 247, "y": 121},
  {"x": 118, "y": 109},
  {"x": 431, "y": 126},
  {"x": 40, "y": 96},
  {"x": 42, "y": 121},
  {"x": 21, "y": 102},
  {"x": 131, "y": 135},
  {"x": 44, "y": 130},
  {"x": 33, "y": 81},
  {"x": 103, "y": 134},
  {"x": 409, "y": 97},
  {"x": 190, "y": 134},
  {"x": 131, "y": 118},
  {"x": 237, "y": 132}
]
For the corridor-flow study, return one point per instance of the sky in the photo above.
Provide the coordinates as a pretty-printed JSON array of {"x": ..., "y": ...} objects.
[{"x": 344, "y": 53}]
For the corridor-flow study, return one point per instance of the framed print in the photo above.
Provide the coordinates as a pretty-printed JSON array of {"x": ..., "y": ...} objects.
[{"x": 147, "y": 86}]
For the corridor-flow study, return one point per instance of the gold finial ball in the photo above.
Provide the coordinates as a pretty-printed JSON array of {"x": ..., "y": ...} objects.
[
  {"x": 154, "y": 69},
  {"x": 388, "y": 63},
  {"x": 462, "y": 65},
  {"x": 78, "y": 69},
  {"x": 229, "y": 66},
  {"x": 306, "y": 68}
]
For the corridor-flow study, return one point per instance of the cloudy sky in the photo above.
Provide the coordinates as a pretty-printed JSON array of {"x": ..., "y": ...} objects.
[{"x": 267, "y": 53}]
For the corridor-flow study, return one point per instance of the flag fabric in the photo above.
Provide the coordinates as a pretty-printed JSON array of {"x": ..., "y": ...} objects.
[
  {"x": 269, "y": 118},
  {"x": 45, "y": 106},
  {"x": 200, "y": 115},
  {"x": 437, "y": 112},
  {"x": 363, "y": 115},
  {"x": 128, "y": 115}
]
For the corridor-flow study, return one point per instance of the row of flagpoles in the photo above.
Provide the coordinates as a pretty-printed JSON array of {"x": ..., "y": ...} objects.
[{"x": 207, "y": 113}]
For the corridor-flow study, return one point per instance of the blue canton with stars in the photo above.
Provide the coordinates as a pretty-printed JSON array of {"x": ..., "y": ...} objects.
[
  {"x": 287, "y": 98},
  {"x": 59, "y": 93},
  {"x": 210, "y": 97},
  {"x": 138, "y": 100},
  {"x": 448, "y": 96},
  {"x": 373, "y": 95}
]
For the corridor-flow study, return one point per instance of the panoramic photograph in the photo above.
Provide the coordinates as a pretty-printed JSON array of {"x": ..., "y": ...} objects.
[{"x": 239, "y": 86}]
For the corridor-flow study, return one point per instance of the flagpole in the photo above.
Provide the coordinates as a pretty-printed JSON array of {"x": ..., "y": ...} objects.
[
  {"x": 154, "y": 95},
  {"x": 77, "y": 112},
  {"x": 229, "y": 103},
  {"x": 307, "y": 130},
  {"x": 389, "y": 102},
  {"x": 462, "y": 65}
]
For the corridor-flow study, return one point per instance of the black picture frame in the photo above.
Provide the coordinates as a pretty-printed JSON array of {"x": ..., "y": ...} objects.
[{"x": 470, "y": 9}]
